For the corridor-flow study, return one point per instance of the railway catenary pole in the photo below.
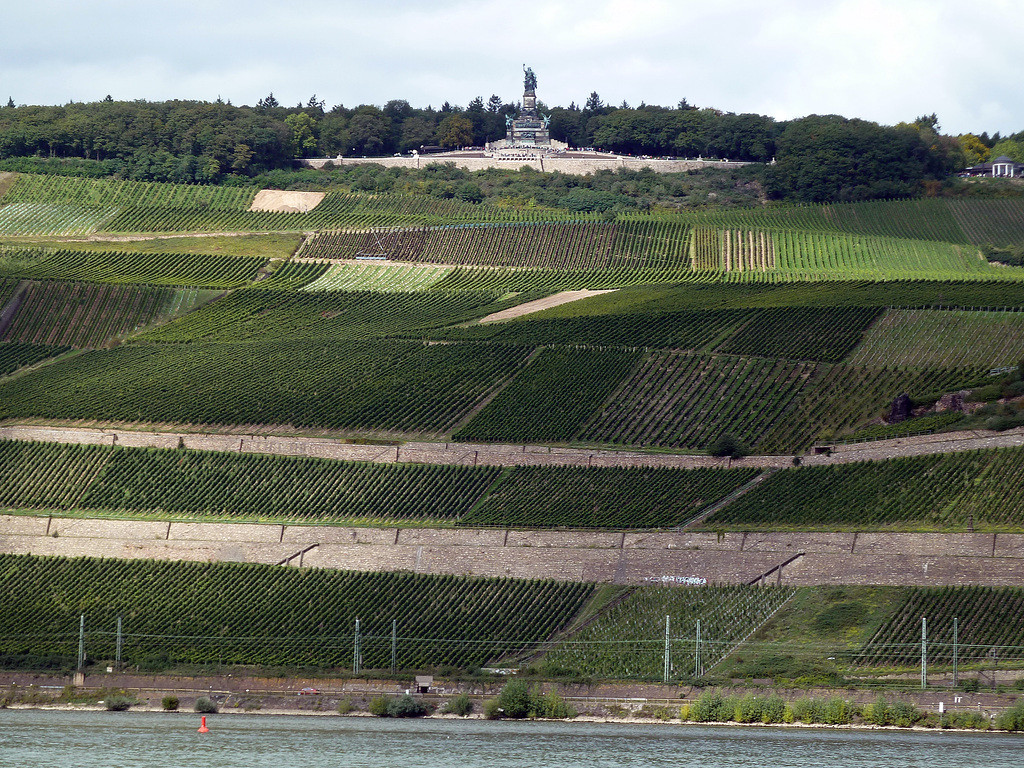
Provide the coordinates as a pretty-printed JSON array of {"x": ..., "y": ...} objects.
[
  {"x": 668, "y": 652},
  {"x": 81, "y": 642},
  {"x": 117, "y": 656},
  {"x": 924, "y": 653},
  {"x": 956, "y": 653},
  {"x": 356, "y": 651},
  {"x": 697, "y": 671},
  {"x": 394, "y": 644}
]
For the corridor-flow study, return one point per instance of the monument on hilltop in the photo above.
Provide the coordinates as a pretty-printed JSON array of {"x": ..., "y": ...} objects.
[{"x": 530, "y": 129}]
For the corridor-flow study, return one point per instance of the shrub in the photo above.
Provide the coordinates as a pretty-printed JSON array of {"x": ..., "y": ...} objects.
[
  {"x": 748, "y": 709},
  {"x": 1012, "y": 719},
  {"x": 379, "y": 706},
  {"x": 514, "y": 699},
  {"x": 553, "y": 706},
  {"x": 968, "y": 719},
  {"x": 118, "y": 702},
  {"x": 492, "y": 710},
  {"x": 712, "y": 707},
  {"x": 905, "y": 714},
  {"x": 727, "y": 445},
  {"x": 518, "y": 700},
  {"x": 773, "y": 709},
  {"x": 403, "y": 706},
  {"x": 878, "y": 713},
  {"x": 837, "y": 711},
  {"x": 655, "y": 712},
  {"x": 206, "y": 706},
  {"x": 760, "y": 709},
  {"x": 345, "y": 706},
  {"x": 806, "y": 711},
  {"x": 460, "y": 705},
  {"x": 974, "y": 720},
  {"x": 169, "y": 703},
  {"x": 406, "y": 706}
]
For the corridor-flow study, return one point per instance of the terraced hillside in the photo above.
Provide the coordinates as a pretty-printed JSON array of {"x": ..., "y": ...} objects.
[
  {"x": 190, "y": 616},
  {"x": 968, "y": 490},
  {"x": 167, "y": 484},
  {"x": 119, "y": 267},
  {"x": 84, "y": 315},
  {"x": 771, "y": 330},
  {"x": 973, "y": 490},
  {"x": 787, "y": 328},
  {"x": 837, "y": 635},
  {"x": 202, "y": 614},
  {"x": 66, "y": 206}
]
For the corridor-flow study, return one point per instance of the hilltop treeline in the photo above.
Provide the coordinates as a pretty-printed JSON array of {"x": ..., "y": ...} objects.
[{"x": 816, "y": 158}]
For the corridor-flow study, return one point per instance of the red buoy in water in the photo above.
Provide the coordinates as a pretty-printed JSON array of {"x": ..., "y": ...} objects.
[{"x": 203, "y": 728}]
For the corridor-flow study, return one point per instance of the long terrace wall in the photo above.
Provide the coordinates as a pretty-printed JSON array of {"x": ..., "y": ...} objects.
[
  {"x": 569, "y": 165},
  {"x": 613, "y": 557},
  {"x": 500, "y": 455}
]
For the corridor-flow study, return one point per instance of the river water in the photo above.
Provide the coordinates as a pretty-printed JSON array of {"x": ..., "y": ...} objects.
[{"x": 31, "y": 738}]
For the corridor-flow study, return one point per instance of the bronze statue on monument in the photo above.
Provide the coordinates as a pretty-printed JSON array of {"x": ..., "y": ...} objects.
[
  {"x": 530, "y": 79},
  {"x": 530, "y": 128}
]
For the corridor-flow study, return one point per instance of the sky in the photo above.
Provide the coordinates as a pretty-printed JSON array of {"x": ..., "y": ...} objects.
[{"x": 882, "y": 60}]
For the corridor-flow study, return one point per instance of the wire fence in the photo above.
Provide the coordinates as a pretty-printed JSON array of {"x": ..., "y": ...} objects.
[{"x": 674, "y": 657}]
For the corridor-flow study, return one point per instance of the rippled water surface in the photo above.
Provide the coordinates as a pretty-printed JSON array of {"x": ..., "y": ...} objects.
[{"x": 30, "y": 738}]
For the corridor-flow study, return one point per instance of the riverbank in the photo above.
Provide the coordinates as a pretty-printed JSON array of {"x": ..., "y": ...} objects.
[
  {"x": 146, "y": 740},
  {"x": 638, "y": 703},
  {"x": 476, "y": 716}
]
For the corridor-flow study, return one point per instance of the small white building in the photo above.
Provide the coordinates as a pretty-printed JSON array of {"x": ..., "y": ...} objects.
[{"x": 1004, "y": 166}]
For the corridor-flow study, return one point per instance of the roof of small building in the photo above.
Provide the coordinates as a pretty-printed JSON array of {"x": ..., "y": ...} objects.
[{"x": 1003, "y": 159}]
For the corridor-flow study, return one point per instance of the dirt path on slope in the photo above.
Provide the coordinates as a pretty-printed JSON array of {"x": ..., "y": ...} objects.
[
  {"x": 281, "y": 443},
  {"x": 547, "y": 302}
]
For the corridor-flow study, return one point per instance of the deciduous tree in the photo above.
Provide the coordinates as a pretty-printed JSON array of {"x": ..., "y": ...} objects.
[
  {"x": 455, "y": 131},
  {"x": 303, "y": 134}
]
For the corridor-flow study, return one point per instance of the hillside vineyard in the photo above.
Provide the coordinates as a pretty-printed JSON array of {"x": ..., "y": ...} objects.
[{"x": 241, "y": 445}]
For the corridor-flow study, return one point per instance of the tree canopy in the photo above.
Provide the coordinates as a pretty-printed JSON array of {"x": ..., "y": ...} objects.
[{"x": 816, "y": 158}]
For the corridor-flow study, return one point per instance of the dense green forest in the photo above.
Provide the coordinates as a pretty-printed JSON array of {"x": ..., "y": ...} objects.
[{"x": 811, "y": 159}]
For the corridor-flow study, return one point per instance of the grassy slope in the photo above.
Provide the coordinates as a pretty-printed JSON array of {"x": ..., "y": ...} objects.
[{"x": 818, "y": 623}]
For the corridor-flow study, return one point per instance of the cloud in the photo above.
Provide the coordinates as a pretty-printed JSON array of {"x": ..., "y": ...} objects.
[{"x": 883, "y": 61}]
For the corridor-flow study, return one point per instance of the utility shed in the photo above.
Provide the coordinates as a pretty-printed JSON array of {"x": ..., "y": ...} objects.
[{"x": 423, "y": 683}]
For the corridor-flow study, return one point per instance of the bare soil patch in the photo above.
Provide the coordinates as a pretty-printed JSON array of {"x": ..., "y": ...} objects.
[
  {"x": 6, "y": 182},
  {"x": 279, "y": 201},
  {"x": 536, "y": 306}
]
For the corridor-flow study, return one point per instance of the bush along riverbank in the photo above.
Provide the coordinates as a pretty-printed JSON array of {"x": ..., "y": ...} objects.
[
  {"x": 517, "y": 698},
  {"x": 714, "y": 707}
]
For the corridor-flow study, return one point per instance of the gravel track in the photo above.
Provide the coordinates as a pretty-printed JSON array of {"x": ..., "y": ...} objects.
[{"x": 497, "y": 454}]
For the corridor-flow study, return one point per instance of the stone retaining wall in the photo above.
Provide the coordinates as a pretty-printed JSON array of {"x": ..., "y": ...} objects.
[
  {"x": 904, "y": 570},
  {"x": 615, "y": 557},
  {"x": 580, "y": 166},
  {"x": 620, "y": 557},
  {"x": 498, "y": 455}
]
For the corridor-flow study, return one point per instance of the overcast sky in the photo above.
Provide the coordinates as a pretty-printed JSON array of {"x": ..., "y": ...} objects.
[{"x": 882, "y": 60}]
